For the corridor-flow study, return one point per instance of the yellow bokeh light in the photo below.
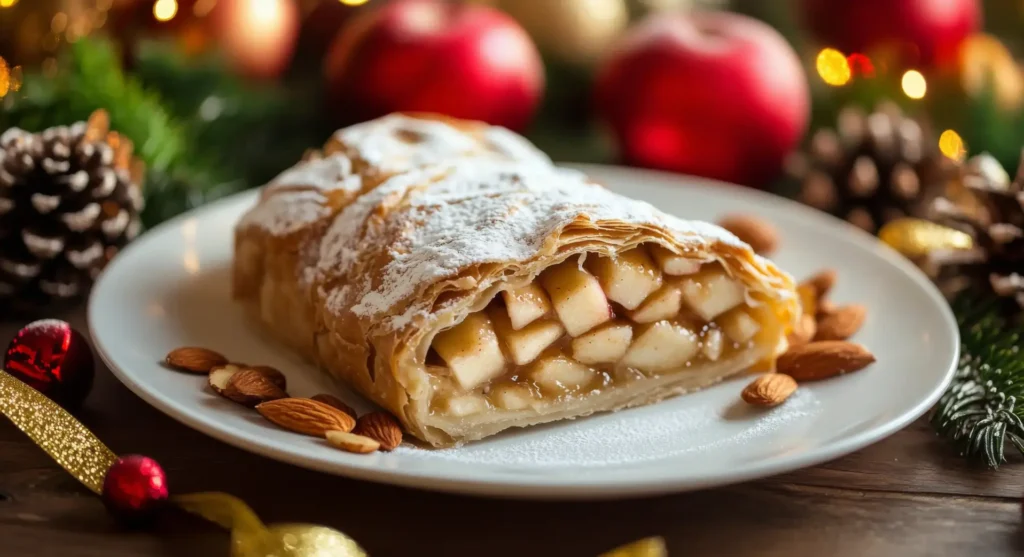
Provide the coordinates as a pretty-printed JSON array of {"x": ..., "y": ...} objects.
[
  {"x": 7, "y": 3},
  {"x": 165, "y": 10},
  {"x": 952, "y": 145},
  {"x": 914, "y": 85},
  {"x": 833, "y": 67},
  {"x": 5, "y": 78},
  {"x": 354, "y": 2}
]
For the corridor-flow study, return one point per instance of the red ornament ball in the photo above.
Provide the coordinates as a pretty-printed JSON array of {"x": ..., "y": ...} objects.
[
  {"x": 134, "y": 488},
  {"x": 54, "y": 359},
  {"x": 712, "y": 94},
  {"x": 464, "y": 60},
  {"x": 917, "y": 33}
]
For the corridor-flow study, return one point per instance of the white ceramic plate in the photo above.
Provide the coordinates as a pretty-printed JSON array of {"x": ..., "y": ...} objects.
[{"x": 171, "y": 288}]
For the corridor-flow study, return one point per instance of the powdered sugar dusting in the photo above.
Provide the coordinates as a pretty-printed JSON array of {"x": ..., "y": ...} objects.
[
  {"x": 286, "y": 212},
  {"x": 687, "y": 426},
  {"x": 397, "y": 143},
  {"x": 475, "y": 212},
  {"x": 329, "y": 173}
]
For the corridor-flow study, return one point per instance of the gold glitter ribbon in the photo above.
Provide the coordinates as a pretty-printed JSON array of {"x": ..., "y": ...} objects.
[
  {"x": 56, "y": 431},
  {"x": 915, "y": 238}
]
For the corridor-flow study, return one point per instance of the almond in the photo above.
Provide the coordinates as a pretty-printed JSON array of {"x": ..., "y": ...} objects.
[
  {"x": 274, "y": 375},
  {"x": 804, "y": 330},
  {"x": 824, "y": 359},
  {"x": 759, "y": 233},
  {"x": 821, "y": 283},
  {"x": 841, "y": 323},
  {"x": 825, "y": 308},
  {"x": 351, "y": 442},
  {"x": 251, "y": 387},
  {"x": 769, "y": 390},
  {"x": 304, "y": 415},
  {"x": 220, "y": 377},
  {"x": 336, "y": 402},
  {"x": 194, "y": 359},
  {"x": 381, "y": 427}
]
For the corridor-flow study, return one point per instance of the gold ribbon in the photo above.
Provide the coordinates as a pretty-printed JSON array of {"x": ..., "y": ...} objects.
[
  {"x": 86, "y": 458},
  {"x": 915, "y": 238}
]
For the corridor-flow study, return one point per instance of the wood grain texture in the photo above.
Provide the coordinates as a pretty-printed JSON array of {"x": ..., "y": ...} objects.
[{"x": 908, "y": 495}]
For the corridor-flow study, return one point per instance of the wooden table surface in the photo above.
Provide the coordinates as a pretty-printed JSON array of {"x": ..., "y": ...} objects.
[{"x": 905, "y": 496}]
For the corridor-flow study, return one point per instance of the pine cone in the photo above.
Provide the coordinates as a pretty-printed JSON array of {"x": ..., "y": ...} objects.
[
  {"x": 993, "y": 214},
  {"x": 873, "y": 168},
  {"x": 69, "y": 200}
]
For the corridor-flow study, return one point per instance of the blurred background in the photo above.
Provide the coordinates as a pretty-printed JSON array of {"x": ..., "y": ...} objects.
[{"x": 855, "y": 106}]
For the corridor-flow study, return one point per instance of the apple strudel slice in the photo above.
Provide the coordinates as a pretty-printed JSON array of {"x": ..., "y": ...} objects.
[{"x": 476, "y": 296}]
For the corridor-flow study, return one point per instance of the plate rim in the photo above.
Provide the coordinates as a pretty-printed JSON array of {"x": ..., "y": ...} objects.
[{"x": 535, "y": 486}]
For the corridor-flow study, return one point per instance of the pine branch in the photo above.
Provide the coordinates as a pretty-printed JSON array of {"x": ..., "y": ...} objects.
[{"x": 980, "y": 412}]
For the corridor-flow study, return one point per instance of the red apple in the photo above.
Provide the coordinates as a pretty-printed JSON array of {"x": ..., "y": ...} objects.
[
  {"x": 463, "y": 60},
  {"x": 922, "y": 32},
  {"x": 712, "y": 94}
]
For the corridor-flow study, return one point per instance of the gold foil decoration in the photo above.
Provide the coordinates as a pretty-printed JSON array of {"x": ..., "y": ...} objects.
[
  {"x": 915, "y": 238},
  {"x": 647, "y": 547},
  {"x": 251, "y": 538},
  {"x": 56, "y": 431}
]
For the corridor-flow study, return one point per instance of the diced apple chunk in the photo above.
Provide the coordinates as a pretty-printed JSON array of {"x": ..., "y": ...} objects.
[
  {"x": 739, "y": 326},
  {"x": 577, "y": 297},
  {"x": 604, "y": 345},
  {"x": 627, "y": 278},
  {"x": 663, "y": 304},
  {"x": 525, "y": 344},
  {"x": 526, "y": 304},
  {"x": 511, "y": 397},
  {"x": 672, "y": 264},
  {"x": 559, "y": 373},
  {"x": 712, "y": 344},
  {"x": 662, "y": 347},
  {"x": 712, "y": 293},
  {"x": 471, "y": 350},
  {"x": 464, "y": 405}
]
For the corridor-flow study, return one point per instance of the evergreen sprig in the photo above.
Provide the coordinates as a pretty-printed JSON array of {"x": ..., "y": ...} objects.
[{"x": 982, "y": 410}]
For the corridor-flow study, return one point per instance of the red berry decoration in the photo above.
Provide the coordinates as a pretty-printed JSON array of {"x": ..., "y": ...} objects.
[
  {"x": 54, "y": 359},
  {"x": 134, "y": 488}
]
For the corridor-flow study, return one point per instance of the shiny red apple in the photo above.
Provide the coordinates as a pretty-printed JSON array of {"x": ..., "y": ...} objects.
[
  {"x": 712, "y": 94},
  {"x": 921, "y": 32},
  {"x": 463, "y": 60}
]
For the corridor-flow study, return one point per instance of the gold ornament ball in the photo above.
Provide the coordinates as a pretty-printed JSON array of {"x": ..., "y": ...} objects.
[
  {"x": 573, "y": 31},
  {"x": 295, "y": 540}
]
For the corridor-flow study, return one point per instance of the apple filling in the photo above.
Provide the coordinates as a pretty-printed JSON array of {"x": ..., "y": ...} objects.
[{"x": 580, "y": 328}]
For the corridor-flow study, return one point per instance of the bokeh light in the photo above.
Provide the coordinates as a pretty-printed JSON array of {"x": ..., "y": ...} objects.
[
  {"x": 914, "y": 84},
  {"x": 861, "y": 65},
  {"x": 952, "y": 145},
  {"x": 165, "y": 10},
  {"x": 354, "y": 2},
  {"x": 833, "y": 67},
  {"x": 5, "y": 77},
  {"x": 7, "y": 3}
]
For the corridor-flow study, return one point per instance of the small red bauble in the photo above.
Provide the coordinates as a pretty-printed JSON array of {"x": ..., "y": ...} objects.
[
  {"x": 134, "y": 488},
  {"x": 459, "y": 59},
  {"x": 712, "y": 94},
  {"x": 54, "y": 359}
]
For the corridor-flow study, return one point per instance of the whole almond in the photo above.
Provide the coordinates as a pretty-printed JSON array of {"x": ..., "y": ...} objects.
[
  {"x": 821, "y": 282},
  {"x": 759, "y": 233},
  {"x": 824, "y": 359},
  {"x": 351, "y": 442},
  {"x": 220, "y": 377},
  {"x": 336, "y": 402},
  {"x": 304, "y": 415},
  {"x": 825, "y": 308},
  {"x": 194, "y": 359},
  {"x": 274, "y": 375},
  {"x": 381, "y": 427},
  {"x": 769, "y": 390},
  {"x": 251, "y": 387},
  {"x": 842, "y": 323},
  {"x": 804, "y": 330}
]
